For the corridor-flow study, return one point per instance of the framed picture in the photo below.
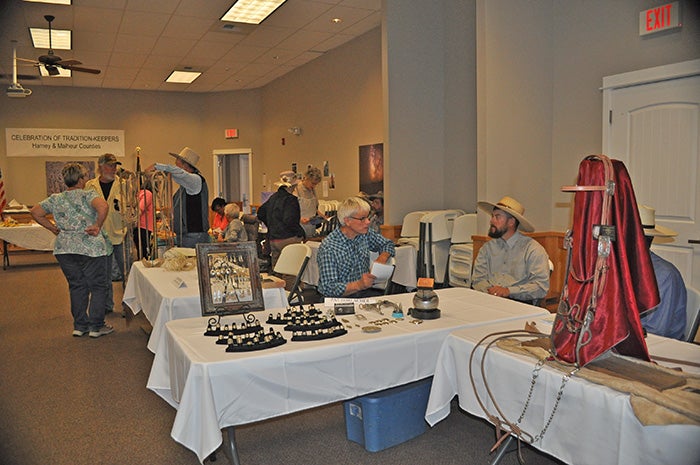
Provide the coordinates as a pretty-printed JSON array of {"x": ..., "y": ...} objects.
[{"x": 229, "y": 278}]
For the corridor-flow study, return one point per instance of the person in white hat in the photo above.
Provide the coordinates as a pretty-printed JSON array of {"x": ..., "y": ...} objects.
[
  {"x": 669, "y": 317},
  {"x": 511, "y": 265},
  {"x": 107, "y": 184},
  {"x": 190, "y": 201}
]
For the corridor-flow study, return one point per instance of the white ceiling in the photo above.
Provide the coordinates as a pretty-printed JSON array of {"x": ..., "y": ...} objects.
[{"x": 137, "y": 43}]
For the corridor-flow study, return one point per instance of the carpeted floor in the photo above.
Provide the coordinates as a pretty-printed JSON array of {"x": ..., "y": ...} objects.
[{"x": 75, "y": 401}]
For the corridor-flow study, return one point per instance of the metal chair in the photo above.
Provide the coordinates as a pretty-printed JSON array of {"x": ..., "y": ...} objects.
[
  {"x": 292, "y": 261},
  {"x": 692, "y": 314}
]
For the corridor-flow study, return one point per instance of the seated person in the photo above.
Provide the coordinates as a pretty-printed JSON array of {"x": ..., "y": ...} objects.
[
  {"x": 343, "y": 256},
  {"x": 668, "y": 318},
  {"x": 219, "y": 222},
  {"x": 511, "y": 265},
  {"x": 377, "y": 215},
  {"x": 235, "y": 231}
]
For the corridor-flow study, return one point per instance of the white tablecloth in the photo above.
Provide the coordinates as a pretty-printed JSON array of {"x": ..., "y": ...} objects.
[
  {"x": 213, "y": 389},
  {"x": 153, "y": 291},
  {"x": 404, "y": 271},
  {"x": 31, "y": 236},
  {"x": 593, "y": 424}
]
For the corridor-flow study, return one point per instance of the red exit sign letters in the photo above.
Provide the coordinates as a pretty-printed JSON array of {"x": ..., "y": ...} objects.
[{"x": 660, "y": 18}]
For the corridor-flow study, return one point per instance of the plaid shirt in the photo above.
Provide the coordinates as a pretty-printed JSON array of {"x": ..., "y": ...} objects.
[{"x": 342, "y": 260}]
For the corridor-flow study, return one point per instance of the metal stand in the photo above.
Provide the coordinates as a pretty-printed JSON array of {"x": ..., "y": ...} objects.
[
  {"x": 229, "y": 446},
  {"x": 506, "y": 447}
]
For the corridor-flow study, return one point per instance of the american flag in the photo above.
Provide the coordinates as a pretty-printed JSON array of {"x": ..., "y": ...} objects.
[{"x": 3, "y": 201}]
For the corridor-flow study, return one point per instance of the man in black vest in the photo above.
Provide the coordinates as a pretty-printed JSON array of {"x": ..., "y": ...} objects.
[{"x": 190, "y": 201}]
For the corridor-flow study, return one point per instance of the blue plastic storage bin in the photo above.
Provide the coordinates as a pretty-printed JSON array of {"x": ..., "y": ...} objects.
[{"x": 387, "y": 418}]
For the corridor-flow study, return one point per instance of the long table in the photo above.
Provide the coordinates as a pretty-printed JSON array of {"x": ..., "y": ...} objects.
[
  {"x": 212, "y": 389},
  {"x": 30, "y": 236},
  {"x": 405, "y": 272},
  {"x": 593, "y": 424},
  {"x": 172, "y": 295}
]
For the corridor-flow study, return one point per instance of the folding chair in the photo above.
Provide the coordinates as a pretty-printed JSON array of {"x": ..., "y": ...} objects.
[
  {"x": 292, "y": 261},
  {"x": 435, "y": 235},
  {"x": 459, "y": 264},
  {"x": 692, "y": 314}
]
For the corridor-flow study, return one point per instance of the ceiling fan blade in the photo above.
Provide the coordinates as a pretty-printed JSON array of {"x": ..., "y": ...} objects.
[
  {"x": 65, "y": 63},
  {"x": 81, "y": 69},
  {"x": 28, "y": 61}
]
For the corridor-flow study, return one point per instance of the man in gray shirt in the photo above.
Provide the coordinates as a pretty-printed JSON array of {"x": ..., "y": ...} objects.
[{"x": 511, "y": 265}]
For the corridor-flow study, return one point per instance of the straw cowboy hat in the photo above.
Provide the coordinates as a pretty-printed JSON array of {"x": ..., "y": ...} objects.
[
  {"x": 187, "y": 155},
  {"x": 512, "y": 207},
  {"x": 287, "y": 179},
  {"x": 648, "y": 217}
]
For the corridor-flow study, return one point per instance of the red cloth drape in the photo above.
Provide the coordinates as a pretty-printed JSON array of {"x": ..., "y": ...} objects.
[{"x": 629, "y": 288}]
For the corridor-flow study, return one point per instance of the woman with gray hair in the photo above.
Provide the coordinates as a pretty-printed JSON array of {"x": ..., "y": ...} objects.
[
  {"x": 344, "y": 256},
  {"x": 81, "y": 248},
  {"x": 308, "y": 201}
]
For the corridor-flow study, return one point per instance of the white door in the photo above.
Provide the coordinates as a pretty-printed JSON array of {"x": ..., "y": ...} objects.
[
  {"x": 233, "y": 176},
  {"x": 652, "y": 124}
]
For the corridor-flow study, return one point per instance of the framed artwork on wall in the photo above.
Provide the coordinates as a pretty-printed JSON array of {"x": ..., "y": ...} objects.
[
  {"x": 54, "y": 179},
  {"x": 372, "y": 168}
]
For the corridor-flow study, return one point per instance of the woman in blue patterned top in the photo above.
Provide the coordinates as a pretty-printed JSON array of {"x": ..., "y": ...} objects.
[
  {"x": 81, "y": 248},
  {"x": 344, "y": 256}
]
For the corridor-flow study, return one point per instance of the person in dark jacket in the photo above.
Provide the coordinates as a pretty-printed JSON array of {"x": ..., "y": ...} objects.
[{"x": 281, "y": 215}]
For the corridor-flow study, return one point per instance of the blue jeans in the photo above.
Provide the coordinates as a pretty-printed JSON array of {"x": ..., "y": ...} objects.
[
  {"x": 87, "y": 284},
  {"x": 118, "y": 256}
]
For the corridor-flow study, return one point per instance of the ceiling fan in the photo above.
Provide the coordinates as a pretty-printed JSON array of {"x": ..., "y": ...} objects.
[{"x": 52, "y": 62}]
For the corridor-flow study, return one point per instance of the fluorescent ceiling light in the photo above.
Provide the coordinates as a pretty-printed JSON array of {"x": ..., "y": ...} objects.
[
  {"x": 251, "y": 11},
  {"x": 61, "y": 72},
  {"x": 60, "y": 38},
  {"x": 183, "y": 77},
  {"x": 55, "y": 2}
]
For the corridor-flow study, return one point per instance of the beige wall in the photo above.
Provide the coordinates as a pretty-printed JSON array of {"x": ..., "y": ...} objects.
[
  {"x": 540, "y": 67},
  {"x": 158, "y": 122},
  {"x": 337, "y": 101}
]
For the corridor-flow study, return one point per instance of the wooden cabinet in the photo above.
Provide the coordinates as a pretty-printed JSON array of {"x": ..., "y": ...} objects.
[{"x": 553, "y": 243}]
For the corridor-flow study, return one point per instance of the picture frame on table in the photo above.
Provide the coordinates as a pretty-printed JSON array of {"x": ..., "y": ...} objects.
[{"x": 229, "y": 278}]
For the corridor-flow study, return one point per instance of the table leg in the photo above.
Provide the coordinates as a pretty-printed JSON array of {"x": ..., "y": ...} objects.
[
  {"x": 230, "y": 446},
  {"x": 503, "y": 450}
]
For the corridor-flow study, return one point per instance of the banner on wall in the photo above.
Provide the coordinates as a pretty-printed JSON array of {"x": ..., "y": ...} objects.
[{"x": 44, "y": 142}]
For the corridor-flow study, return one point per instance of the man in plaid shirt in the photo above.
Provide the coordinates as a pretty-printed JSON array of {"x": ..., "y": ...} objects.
[{"x": 344, "y": 256}]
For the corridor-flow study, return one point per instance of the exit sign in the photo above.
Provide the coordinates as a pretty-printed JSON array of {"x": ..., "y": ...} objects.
[{"x": 660, "y": 18}]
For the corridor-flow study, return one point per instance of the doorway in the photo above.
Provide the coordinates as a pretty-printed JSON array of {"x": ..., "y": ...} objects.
[
  {"x": 233, "y": 178},
  {"x": 651, "y": 122}
]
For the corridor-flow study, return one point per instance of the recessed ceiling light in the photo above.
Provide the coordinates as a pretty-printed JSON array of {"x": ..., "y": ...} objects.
[
  {"x": 336, "y": 20},
  {"x": 55, "y": 2},
  {"x": 251, "y": 11},
  {"x": 60, "y": 38},
  {"x": 183, "y": 77}
]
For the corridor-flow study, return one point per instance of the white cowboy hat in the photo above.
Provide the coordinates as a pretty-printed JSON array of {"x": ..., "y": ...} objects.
[
  {"x": 648, "y": 217},
  {"x": 187, "y": 155},
  {"x": 512, "y": 207},
  {"x": 287, "y": 179}
]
